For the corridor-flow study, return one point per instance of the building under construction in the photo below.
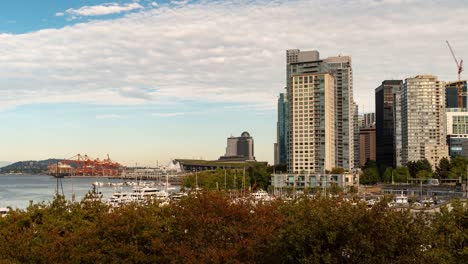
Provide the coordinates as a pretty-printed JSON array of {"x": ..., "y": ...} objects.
[{"x": 83, "y": 165}]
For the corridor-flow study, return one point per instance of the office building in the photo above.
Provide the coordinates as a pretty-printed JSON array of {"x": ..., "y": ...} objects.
[
  {"x": 423, "y": 119},
  {"x": 313, "y": 123},
  {"x": 281, "y": 130},
  {"x": 368, "y": 119},
  {"x": 367, "y": 147},
  {"x": 239, "y": 148},
  {"x": 457, "y": 131},
  {"x": 451, "y": 94},
  {"x": 384, "y": 124}
]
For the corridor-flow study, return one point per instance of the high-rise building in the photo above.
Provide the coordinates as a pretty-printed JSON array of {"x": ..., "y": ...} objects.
[
  {"x": 312, "y": 123},
  {"x": 308, "y": 62},
  {"x": 457, "y": 131},
  {"x": 368, "y": 119},
  {"x": 340, "y": 68},
  {"x": 239, "y": 148},
  {"x": 451, "y": 94},
  {"x": 384, "y": 125},
  {"x": 366, "y": 144},
  {"x": 423, "y": 119},
  {"x": 397, "y": 146},
  {"x": 357, "y": 124},
  {"x": 281, "y": 130}
]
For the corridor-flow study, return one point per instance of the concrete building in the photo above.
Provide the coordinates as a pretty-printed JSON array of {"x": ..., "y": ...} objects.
[
  {"x": 384, "y": 124},
  {"x": 282, "y": 182},
  {"x": 368, "y": 119},
  {"x": 239, "y": 148},
  {"x": 423, "y": 119},
  {"x": 340, "y": 68},
  {"x": 308, "y": 62},
  {"x": 313, "y": 123},
  {"x": 397, "y": 146},
  {"x": 451, "y": 94},
  {"x": 457, "y": 131},
  {"x": 357, "y": 124},
  {"x": 367, "y": 145},
  {"x": 281, "y": 144}
]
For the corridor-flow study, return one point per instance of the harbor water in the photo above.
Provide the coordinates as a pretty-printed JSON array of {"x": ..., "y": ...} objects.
[{"x": 17, "y": 190}]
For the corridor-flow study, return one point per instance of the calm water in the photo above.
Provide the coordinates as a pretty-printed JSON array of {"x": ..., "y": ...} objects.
[{"x": 17, "y": 190}]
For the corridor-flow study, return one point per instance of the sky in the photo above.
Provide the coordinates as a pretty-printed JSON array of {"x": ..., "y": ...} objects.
[{"x": 148, "y": 81}]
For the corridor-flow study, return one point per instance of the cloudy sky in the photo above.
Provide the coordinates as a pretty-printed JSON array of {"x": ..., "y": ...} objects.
[{"x": 146, "y": 81}]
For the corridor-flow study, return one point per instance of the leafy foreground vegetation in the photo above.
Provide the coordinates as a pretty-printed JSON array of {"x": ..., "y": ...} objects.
[{"x": 211, "y": 228}]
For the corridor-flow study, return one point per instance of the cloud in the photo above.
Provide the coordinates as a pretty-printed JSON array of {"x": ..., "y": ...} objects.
[
  {"x": 132, "y": 92},
  {"x": 167, "y": 114},
  {"x": 101, "y": 10},
  {"x": 227, "y": 51}
]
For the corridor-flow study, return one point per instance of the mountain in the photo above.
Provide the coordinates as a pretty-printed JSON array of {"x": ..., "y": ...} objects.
[
  {"x": 4, "y": 163},
  {"x": 30, "y": 166}
]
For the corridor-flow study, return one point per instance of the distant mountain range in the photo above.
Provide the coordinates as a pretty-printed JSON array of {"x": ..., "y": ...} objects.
[{"x": 30, "y": 166}]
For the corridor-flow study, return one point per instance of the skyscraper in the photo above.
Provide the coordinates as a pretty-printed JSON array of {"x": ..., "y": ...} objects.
[
  {"x": 384, "y": 122},
  {"x": 281, "y": 130},
  {"x": 397, "y": 146},
  {"x": 239, "y": 148},
  {"x": 457, "y": 131},
  {"x": 423, "y": 119},
  {"x": 340, "y": 68},
  {"x": 308, "y": 62},
  {"x": 366, "y": 144},
  {"x": 368, "y": 119},
  {"x": 451, "y": 94},
  {"x": 357, "y": 124},
  {"x": 313, "y": 115}
]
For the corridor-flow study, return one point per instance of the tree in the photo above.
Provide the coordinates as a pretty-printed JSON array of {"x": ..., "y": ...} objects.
[
  {"x": 421, "y": 165},
  {"x": 337, "y": 170},
  {"x": 369, "y": 176},
  {"x": 387, "y": 176},
  {"x": 401, "y": 174},
  {"x": 443, "y": 169},
  {"x": 458, "y": 167}
]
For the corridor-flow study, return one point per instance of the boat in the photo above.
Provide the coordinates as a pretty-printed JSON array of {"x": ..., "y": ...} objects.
[
  {"x": 4, "y": 211},
  {"x": 400, "y": 200},
  {"x": 261, "y": 195}
]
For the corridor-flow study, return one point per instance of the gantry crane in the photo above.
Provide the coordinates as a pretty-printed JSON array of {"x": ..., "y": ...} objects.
[{"x": 459, "y": 64}]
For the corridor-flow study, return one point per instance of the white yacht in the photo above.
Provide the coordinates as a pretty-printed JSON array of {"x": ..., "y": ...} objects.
[
  {"x": 400, "y": 200},
  {"x": 4, "y": 211},
  {"x": 261, "y": 195}
]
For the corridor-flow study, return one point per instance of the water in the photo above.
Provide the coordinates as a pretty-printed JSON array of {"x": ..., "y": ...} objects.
[{"x": 17, "y": 190}]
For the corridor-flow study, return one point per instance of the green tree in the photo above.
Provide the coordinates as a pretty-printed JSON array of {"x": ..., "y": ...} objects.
[
  {"x": 387, "y": 176},
  {"x": 443, "y": 169},
  {"x": 458, "y": 167},
  {"x": 401, "y": 174},
  {"x": 337, "y": 170},
  {"x": 369, "y": 176}
]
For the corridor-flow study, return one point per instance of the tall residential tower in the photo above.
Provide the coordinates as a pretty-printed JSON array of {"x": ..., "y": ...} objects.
[{"x": 423, "y": 119}]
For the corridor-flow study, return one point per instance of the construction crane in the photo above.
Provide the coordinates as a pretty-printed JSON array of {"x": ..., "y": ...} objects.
[{"x": 459, "y": 84}]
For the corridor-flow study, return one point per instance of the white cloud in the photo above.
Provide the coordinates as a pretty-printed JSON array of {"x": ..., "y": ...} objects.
[
  {"x": 101, "y": 10},
  {"x": 59, "y": 14},
  {"x": 227, "y": 51}
]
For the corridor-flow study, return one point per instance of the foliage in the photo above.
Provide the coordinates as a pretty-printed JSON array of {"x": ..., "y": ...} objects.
[
  {"x": 458, "y": 167},
  {"x": 370, "y": 173},
  {"x": 401, "y": 174},
  {"x": 421, "y": 165},
  {"x": 387, "y": 176},
  {"x": 209, "y": 227},
  {"x": 211, "y": 180},
  {"x": 443, "y": 169},
  {"x": 338, "y": 170}
]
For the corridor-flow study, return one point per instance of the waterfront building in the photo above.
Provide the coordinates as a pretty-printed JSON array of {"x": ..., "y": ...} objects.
[
  {"x": 313, "y": 123},
  {"x": 340, "y": 67},
  {"x": 357, "y": 124},
  {"x": 457, "y": 131},
  {"x": 367, "y": 146},
  {"x": 281, "y": 130},
  {"x": 309, "y": 62},
  {"x": 368, "y": 119},
  {"x": 451, "y": 94},
  {"x": 423, "y": 119},
  {"x": 384, "y": 124},
  {"x": 282, "y": 182},
  {"x": 239, "y": 148},
  {"x": 397, "y": 146}
]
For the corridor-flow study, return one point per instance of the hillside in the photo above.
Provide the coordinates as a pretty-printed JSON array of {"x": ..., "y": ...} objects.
[{"x": 30, "y": 166}]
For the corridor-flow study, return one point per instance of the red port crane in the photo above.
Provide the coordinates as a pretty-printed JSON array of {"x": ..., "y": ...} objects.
[{"x": 459, "y": 64}]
